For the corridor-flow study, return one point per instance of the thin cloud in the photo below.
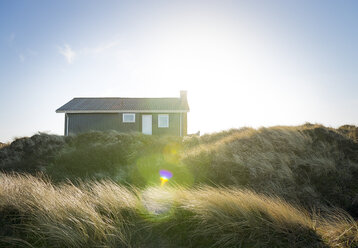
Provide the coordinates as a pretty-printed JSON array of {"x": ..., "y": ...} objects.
[
  {"x": 101, "y": 48},
  {"x": 105, "y": 46},
  {"x": 68, "y": 53}
]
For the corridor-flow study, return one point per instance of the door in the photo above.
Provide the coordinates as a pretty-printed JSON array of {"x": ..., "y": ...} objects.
[{"x": 147, "y": 124}]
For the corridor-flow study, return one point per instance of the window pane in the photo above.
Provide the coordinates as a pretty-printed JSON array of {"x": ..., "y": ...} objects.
[
  {"x": 163, "y": 121},
  {"x": 128, "y": 117}
]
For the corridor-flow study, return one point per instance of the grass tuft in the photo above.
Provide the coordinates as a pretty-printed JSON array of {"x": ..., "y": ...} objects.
[{"x": 105, "y": 214}]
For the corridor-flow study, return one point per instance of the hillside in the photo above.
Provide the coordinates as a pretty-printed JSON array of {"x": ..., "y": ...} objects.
[
  {"x": 305, "y": 172},
  {"x": 311, "y": 165}
]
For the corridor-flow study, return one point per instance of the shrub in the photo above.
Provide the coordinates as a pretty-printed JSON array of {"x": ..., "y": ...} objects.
[{"x": 30, "y": 154}]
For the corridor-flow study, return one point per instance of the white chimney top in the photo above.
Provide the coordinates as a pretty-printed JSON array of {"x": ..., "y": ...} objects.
[{"x": 183, "y": 94}]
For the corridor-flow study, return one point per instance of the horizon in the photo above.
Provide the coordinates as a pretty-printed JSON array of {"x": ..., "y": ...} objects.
[{"x": 244, "y": 64}]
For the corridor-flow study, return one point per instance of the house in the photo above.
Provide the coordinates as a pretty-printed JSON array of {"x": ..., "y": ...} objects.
[{"x": 157, "y": 116}]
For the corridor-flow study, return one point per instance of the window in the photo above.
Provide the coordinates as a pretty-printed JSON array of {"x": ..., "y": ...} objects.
[
  {"x": 128, "y": 117},
  {"x": 163, "y": 120}
]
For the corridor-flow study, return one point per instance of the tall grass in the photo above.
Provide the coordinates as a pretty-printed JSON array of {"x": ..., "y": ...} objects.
[
  {"x": 35, "y": 213},
  {"x": 311, "y": 165},
  {"x": 308, "y": 164}
]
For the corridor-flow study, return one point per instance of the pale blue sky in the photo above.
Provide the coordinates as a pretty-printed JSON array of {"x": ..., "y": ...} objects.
[{"x": 251, "y": 63}]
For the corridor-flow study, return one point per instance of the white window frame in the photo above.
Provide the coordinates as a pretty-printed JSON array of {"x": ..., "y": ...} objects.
[
  {"x": 163, "y": 115},
  {"x": 131, "y": 114}
]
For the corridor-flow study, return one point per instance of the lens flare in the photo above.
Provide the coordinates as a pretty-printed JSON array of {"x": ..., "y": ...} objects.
[{"x": 165, "y": 175}]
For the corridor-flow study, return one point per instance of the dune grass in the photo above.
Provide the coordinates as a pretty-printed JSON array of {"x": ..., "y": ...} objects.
[
  {"x": 267, "y": 187},
  {"x": 35, "y": 213},
  {"x": 310, "y": 165}
]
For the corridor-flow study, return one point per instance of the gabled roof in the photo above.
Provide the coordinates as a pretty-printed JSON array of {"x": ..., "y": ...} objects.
[{"x": 119, "y": 104}]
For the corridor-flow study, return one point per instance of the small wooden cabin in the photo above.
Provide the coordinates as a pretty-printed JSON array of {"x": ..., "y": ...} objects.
[{"x": 152, "y": 116}]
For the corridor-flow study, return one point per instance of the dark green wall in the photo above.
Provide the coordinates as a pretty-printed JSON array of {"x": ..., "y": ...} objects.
[
  {"x": 79, "y": 123},
  {"x": 174, "y": 125}
]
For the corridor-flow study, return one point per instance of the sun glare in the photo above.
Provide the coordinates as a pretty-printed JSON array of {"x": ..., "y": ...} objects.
[
  {"x": 225, "y": 69},
  {"x": 165, "y": 175}
]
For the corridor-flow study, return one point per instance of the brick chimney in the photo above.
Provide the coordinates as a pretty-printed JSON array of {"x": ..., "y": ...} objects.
[{"x": 183, "y": 95}]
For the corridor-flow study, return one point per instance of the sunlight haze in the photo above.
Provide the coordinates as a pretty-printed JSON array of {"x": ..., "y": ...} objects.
[{"x": 245, "y": 63}]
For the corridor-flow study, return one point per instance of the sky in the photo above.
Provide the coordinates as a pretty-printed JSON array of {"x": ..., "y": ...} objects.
[{"x": 243, "y": 63}]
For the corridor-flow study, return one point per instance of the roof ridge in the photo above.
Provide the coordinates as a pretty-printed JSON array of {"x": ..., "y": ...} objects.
[
  {"x": 126, "y": 97},
  {"x": 125, "y": 103}
]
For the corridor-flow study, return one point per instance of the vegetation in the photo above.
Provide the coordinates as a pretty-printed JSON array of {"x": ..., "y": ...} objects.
[
  {"x": 310, "y": 165},
  {"x": 103, "y": 214},
  {"x": 270, "y": 187}
]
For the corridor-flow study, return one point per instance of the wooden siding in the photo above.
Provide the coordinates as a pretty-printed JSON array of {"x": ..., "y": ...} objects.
[
  {"x": 174, "y": 125},
  {"x": 185, "y": 123},
  {"x": 80, "y": 123},
  {"x": 65, "y": 131}
]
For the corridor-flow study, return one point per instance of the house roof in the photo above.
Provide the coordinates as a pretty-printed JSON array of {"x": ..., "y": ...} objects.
[{"x": 119, "y": 104}]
